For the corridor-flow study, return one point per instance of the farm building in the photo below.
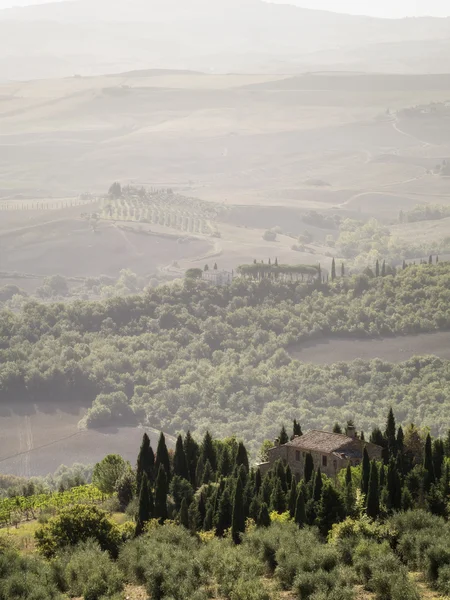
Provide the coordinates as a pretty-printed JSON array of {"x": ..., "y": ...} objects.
[
  {"x": 218, "y": 277},
  {"x": 330, "y": 451}
]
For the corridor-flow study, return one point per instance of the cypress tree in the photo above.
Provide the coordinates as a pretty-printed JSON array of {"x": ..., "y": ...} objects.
[
  {"x": 394, "y": 487},
  {"x": 318, "y": 485},
  {"x": 283, "y": 437},
  {"x": 280, "y": 473},
  {"x": 199, "y": 472},
  {"x": 337, "y": 428},
  {"x": 373, "y": 497},
  {"x": 377, "y": 269},
  {"x": 201, "y": 511},
  {"x": 264, "y": 517},
  {"x": 242, "y": 457},
  {"x": 445, "y": 480},
  {"x": 146, "y": 507},
  {"x": 191, "y": 451},
  {"x": 348, "y": 475},
  {"x": 225, "y": 462},
  {"x": 407, "y": 500},
  {"x": 428, "y": 465},
  {"x": 180, "y": 466},
  {"x": 224, "y": 514},
  {"x": 278, "y": 498},
  {"x": 238, "y": 518},
  {"x": 383, "y": 269},
  {"x": 258, "y": 481},
  {"x": 255, "y": 507},
  {"x": 296, "y": 429},
  {"x": 390, "y": 433},
  {"x": 161, "y": 495},
  {"x": 289, "y": 477},
  {"x": 430, "y": 260},
  {"x": 382, "y": 476},
  {"x": 400, "y": 442},
  {"x": 162, "y": 456},
  {"x": 447, "y": 444},
  {"x": 331, "y": 509},
  {"x": 208, "y": 522},
  {"x": 208, "y": 474},
  {"x": 292, "y": 498},
  {"x": 184, "y": 514},
  {"x": 208, "y": 452},
  {"x": 342, "y": 270},
  {"x": 145, "y": 462},
  {"x": 365, "y": 475},
  {"x": 333, "y": 270},
  {"x": 300, "y": 511},
  {"x": 266, "y": 489},
  {"x": 309, "y": 468},
  {"x": 438, "y": 458}
]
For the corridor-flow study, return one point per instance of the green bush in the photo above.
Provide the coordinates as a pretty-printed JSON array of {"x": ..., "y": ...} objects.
[
  {"x": 78, "y": 524},
  {"x": 26, "y": 578}
]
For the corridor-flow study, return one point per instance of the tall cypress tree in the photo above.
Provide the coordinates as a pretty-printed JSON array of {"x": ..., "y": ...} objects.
[
  {"x": 162, "y": 456},
  {"x": 348, "y": 475},
  {"x": 337, "y": 428},
  {"x": 300, "y": 511},
  {"x": 438, "y": 457},
  {"x": 184, "y": 514},
  {"x": 296, "y": 429},
  {"x": 278, "y": 498},
  {"x": 191, "y": 451},
  {"x": 331, "y": 509},
  {"x": 225, "y": 462},
  {"x": 333, "y": 270},
  {"x": 145, "y": 462},
  {"x": 377, "y": 269},
  {"x": 309, "y": 468},
  {"x": 292, "y": 498},
  {"x": 208, "y": 475},
  {"x": 318, "y": 485},
  {"x": 373, "y": 497},
  {"x": 208, "y": 452},
  {"x": 365, "y": 474},
  {"x": 224, "y": 514},
  {"x": 161, "y": 495},
  {"x": 180, "y": 466},
  {"x": 263, "y": 517},
  {"x": 428, "y": 465},
  {"x": 390, "y": 432},
  {"x": 266, "y": 489},
  {"x": 283, "y": 437},
  {"x": 258, "y": 481},
  {"x": 383, "y": 269},
  {"x": 342, "y": 270},
  {"x": 289, "y": 477},
  {"x": 238, "y": 518},
  {"x": 394, "y": 487},
  {"x": 146, "y": 506},
  {"x": 242, "y": 457},
  {"x": 400, "y": 442}
]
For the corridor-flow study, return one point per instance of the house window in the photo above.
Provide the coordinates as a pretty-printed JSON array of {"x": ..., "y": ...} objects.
[
  {"x": 297, "y": 455},
  {"x": 324, "y": 461}
]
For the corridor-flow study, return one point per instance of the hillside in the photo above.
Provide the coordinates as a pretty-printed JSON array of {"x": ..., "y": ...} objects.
[{"x": 195, "y": 35}]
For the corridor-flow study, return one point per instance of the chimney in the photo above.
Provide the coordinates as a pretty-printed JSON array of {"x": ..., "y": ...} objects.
[{"x": 351, "y": 431}]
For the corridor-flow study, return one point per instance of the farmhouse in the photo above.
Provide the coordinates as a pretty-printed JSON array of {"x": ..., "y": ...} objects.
[
  {"x": 218, "y": 277},
  {"x": 330, "y": 451}
]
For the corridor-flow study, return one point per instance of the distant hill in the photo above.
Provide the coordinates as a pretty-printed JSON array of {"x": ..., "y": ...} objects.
[{"x": 214, "y": 35}]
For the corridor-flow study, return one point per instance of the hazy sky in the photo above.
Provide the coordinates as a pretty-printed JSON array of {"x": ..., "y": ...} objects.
[{"x": 378, "y": 8}]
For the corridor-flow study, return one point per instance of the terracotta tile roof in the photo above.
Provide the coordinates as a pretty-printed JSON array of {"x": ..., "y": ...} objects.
[{"x": 323, "y": 441}]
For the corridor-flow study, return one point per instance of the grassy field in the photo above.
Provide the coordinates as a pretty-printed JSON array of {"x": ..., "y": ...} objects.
[
  {"x": 36, "y": 440},
  {"x": 396, "y": 349}
]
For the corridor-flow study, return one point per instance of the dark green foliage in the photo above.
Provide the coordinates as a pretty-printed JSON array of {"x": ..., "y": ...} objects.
[
  {"x": 300, "y": 512},
  {"x": 296, "y": 429},
  {"x": 435, "y": 501},
  {"x": 376, "y": 437},
  {"x": 318, "y": 485},
  {"x": 181, "y": 489},
  {"x": 108, "y": 472},
  {"x": 224, "y": 514},
  {"x": 373, "y": 496},
  {"x": 146, "y": 505},
  {"x": 126, "y": 489},
  {"x": 162, "y": 457},
  {"x": 394, "y": 487},
  {"x": 238, "y": 517},
  {"x": 278, "y": 498},
  {"x": 180, "y": 466},
  {"x": 309, "y": 468},
  {"x": 283, "y": 437},
  {"x": 289, "y": 477},
  {"x": 292, "y": 499},
  {"x": 225, "y": 465},
  {"x": 365, "y": 473},
  {"x": 337, "y": 428},
  {"x": 428, "y": 464},
  {"x": 263, "y": 517},
  {"x": 208, "y": 452},
  {"x": 438, "y": 452},
  {"x": 160, "y": 511},
  {"x": 390, "y": 432},
  {"x": 242, "y": 457},
  {"x": 184, "y": 514},
  {"x": 400, "y": 442},
  {"x": 145, "y": 462},
  {"x": 333, "y": 270},
  {"x": 258, "y": 481},
  {"x": 331, "y": 508},
  {"x": 191, "y": 450},
  {"x": 208, "y": 473}
]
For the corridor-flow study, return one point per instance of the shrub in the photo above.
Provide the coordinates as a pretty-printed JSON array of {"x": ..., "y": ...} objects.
[
  {"x": 78, "y": 524},
  {"x": 91, "y": 573}
]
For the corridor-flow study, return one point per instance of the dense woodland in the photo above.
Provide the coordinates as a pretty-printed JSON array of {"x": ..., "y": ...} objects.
[
  {"x": 195, "y": 356},
  {"x": 201, "y": 523}
]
